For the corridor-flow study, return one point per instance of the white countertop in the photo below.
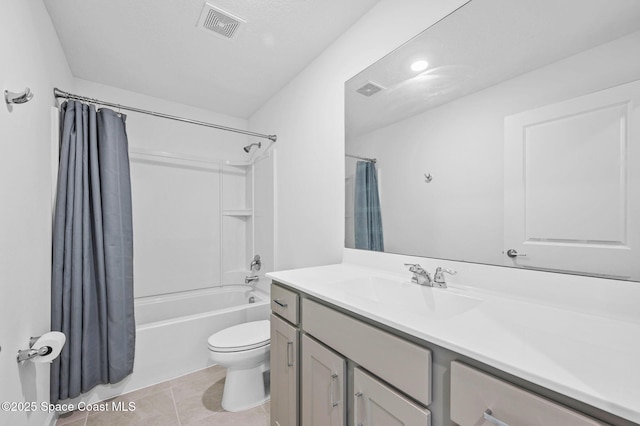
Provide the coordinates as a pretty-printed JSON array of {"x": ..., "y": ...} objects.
[{"x": 591, "y": 358}]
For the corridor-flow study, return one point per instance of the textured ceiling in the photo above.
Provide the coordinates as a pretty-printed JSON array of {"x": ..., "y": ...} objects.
[{"x": 154, "y": 47}]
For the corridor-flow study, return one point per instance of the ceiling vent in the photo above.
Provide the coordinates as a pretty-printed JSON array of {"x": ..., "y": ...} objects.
[
  {"x": 370, "y": 89},
  {"x": 218, "y": 22}
]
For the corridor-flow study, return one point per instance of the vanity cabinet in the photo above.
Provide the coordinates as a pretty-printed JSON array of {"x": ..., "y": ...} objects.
[
  {"x": 378, "y": 404},
  {"x": 284, "y": 303},
  {"x": 347, "y": 374},
  {"x": 323, "y": 385},
  {"x": 407, "y": 366},
  {"x": 481, "y": 399},
  {"x": 284, "y": 360}
]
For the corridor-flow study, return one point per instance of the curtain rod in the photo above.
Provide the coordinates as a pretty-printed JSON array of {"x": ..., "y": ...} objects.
[
  {"x": 57, "y": 93},
  {"x": 371, "y": 160}
]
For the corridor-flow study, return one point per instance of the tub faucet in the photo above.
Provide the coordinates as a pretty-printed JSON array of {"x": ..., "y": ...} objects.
[
  {"x": 420, "y": 276},
  {"x": 251, "y": 279}
]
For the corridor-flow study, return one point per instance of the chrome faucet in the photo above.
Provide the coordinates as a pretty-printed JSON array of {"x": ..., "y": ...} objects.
[
  {"x": 255, "y": 266},
  {"x": 420, "y": 276},
  {"x": 251, "y": 279},
  {"x": 438, "y": 277}
]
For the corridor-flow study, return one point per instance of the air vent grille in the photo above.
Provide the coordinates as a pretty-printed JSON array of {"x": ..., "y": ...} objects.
[
  {"x": 370, "y": 89},
  {"x": 219, "y": 22}
]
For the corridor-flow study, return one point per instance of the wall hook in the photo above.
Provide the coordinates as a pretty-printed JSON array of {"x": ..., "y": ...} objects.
[
  {"x": 18, "y": 98},
  {"x": 428, "y": 178}
]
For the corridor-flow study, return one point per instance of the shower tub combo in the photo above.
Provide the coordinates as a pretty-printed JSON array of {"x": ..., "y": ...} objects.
[{"x": 172, "y": 332}]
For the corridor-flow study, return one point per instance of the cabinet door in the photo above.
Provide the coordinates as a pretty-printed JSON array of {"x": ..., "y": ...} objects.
[
  {"x": 374, "y": 403},
  {"x": 284, "y": 373},
  {"x": 323, "y": 385}
]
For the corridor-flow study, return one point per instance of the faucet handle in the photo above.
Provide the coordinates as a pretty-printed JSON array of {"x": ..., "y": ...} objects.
[
  {"x": 414, "y": 267},
  {"x": 439, "y": 274},
  {"x": 256, "y": 263},
  {"x": 420, "y": 276}
]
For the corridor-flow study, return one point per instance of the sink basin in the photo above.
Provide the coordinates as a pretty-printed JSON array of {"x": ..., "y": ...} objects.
[{"x": 437, "y": 303}]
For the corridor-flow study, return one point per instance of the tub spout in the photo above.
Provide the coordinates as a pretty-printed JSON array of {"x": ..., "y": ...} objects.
[{"x": 251, "y": 279}]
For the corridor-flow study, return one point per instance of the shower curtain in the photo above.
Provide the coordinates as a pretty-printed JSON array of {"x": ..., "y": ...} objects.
[
  {"x": 92, "y": 271},
  {"x": 368, "y": 220}
]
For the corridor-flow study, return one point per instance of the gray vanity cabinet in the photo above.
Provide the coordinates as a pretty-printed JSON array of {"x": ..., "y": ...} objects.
[
  {"x": 323, "y": 385},
  {"x": 375, "y": 403},
  {"x": 478, "y": 398},
  {"x": 284, "y": 358},
  {"x": 284, "y": 373},
  {"x": 347, "y": 378}
]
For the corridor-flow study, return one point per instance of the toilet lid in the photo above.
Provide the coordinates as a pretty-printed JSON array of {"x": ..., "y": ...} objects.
[{"x": 242, "y": 337}]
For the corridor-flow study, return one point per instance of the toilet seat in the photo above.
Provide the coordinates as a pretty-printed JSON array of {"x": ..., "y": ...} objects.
[{"x": 241, "y": 337}]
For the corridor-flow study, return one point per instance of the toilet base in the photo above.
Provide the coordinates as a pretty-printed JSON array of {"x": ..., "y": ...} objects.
[{"x": 245, "y": 388}]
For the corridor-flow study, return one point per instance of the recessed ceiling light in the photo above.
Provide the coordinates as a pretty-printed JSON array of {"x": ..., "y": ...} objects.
[{"x": 420, "y": 65}]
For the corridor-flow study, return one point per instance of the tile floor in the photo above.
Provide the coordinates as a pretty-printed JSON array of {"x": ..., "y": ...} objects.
[{"x": 193, "y": 399}]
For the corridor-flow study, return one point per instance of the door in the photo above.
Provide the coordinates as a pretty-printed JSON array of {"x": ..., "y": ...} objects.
[
  {"x": 323, "y": 385},
  {"x": 284, "y": 373},
  {"x": 572, "y": 187},
  {"x": 374, "y": 403}
]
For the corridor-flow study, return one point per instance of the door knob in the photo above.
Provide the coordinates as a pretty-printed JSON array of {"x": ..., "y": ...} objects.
[{"x": 514, "y": 253}]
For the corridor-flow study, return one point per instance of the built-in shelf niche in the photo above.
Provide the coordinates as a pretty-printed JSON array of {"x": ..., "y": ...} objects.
[
  {"x": 237, "y": 220},
  {"x": 238, "y": 213}
]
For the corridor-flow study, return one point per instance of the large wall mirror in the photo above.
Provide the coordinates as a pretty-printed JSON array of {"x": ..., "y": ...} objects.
[{"x": 507, "y": 133}]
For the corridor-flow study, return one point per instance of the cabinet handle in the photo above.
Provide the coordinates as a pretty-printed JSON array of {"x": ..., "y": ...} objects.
[
  {"x": 279, "y": 303},
  {"x": 289, "y": 358},
  {"x": 333, "y": 383},
  {"x": 358, "y": 395},
  {"x": 494, "y": 421}
]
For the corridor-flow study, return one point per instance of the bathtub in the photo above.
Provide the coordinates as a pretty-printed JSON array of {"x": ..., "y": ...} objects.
[
  {"x": 172, "y": 332},
  {"x": 181, "y": 307}
]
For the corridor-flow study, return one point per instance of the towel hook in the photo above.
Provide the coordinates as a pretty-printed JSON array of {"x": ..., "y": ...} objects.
[{"x": 18, "y": 98}]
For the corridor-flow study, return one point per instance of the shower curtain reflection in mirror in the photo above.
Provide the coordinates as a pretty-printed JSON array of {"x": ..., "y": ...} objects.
[{"x": 367, "y": 214}]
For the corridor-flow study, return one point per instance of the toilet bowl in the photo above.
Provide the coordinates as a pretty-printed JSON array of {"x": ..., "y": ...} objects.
[{"x": 244, "y": 350}]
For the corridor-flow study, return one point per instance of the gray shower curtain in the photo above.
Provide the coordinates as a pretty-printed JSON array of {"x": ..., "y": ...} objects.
[
  {"x": 368, "y": 219},
  {"x": 92, "y": 271}
]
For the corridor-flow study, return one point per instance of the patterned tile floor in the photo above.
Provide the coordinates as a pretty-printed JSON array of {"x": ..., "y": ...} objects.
[{"x": 193, "y": 399}]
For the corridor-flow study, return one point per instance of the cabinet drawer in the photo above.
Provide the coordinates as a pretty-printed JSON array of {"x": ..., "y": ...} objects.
[
  {"x": 377, "y": 404},
  {"x": 474, "y": 392},
  {"x": 402, "y": 364},
  {"x": 285, "y": 303}
]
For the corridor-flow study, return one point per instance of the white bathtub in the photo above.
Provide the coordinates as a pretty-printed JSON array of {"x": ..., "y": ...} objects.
[
  {"x": 187, "y": 306},
  {"x": 172, "y": 332}
]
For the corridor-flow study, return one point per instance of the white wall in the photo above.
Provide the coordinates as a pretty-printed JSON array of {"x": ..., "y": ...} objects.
[
  {"x": 459, "y": 215},
  {"x": 308, "y": 117},
  {"x": 146, "y": 132},
  {"x": 31, "y": 56}
]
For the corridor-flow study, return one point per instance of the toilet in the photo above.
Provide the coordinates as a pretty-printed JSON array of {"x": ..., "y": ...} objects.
[{"x": 244, "y": 350}]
